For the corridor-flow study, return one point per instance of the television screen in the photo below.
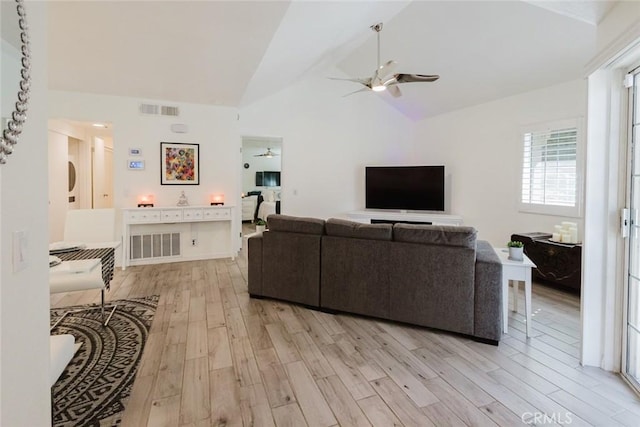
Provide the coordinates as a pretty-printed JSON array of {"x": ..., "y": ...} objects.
[
  {"x": 268, "y": 179},
  {"x": 405, "y": 187}
]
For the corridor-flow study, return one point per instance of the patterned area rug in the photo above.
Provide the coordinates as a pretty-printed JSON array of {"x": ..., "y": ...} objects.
[{"x": 95, "y": 386}]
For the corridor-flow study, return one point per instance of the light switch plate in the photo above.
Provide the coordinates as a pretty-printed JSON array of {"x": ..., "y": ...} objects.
[{"x": 20, "y": 250}]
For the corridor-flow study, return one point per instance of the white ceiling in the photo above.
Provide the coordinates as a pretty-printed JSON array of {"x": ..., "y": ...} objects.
[{"x": 235, "y": 52}]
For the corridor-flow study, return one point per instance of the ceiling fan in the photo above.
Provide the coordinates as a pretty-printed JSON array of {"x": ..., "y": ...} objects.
[
  {"x": 268, "y": 154},
  {"x": 383, "y": 77}
]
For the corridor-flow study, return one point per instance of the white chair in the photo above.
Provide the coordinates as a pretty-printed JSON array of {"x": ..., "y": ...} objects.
[
  {"x": 61, "y": 351},
  {"x": 86, "y": 226}
]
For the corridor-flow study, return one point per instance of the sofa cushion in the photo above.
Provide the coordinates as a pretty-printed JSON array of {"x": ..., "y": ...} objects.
[
  {"x": 343, "y": 228},
  {"x": 294, "y": 224},
  {"x": 445, "y": 235}
]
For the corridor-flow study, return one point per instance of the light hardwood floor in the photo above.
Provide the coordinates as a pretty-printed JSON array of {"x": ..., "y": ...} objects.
[{"x": 215, "y": 357}]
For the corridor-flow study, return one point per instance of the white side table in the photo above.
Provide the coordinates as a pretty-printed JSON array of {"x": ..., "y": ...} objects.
[{"x": 518, "y": 271}]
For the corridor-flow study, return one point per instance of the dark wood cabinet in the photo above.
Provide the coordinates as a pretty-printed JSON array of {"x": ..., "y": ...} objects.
[{"x": 557, "y": 263}]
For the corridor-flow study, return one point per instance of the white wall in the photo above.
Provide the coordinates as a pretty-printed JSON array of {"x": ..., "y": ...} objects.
[
  {"x": 10, "y": 76},
  {"x": 615, "y": 25},
  {"x": 214, "y": 128},
  {"x": 24, "y": 295},
  {"x": 602, "y": 305},
  {"x": 328, "y": 139},
  {"x": 481, "y": 149}
]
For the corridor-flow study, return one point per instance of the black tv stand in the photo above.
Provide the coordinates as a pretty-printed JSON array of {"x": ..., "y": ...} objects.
[{"x": 393, "y": 221}]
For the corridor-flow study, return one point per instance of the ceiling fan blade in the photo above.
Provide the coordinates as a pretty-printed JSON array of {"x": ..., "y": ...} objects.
[
  {"x": 364, "y": 89},
  {"x": 364, "y": 80},
  {"x": 386, "y": 69},
  {"x": 268, "y": 154},
  {"x": 394, "y": 91},
  {"x": 411, "y": 78}
]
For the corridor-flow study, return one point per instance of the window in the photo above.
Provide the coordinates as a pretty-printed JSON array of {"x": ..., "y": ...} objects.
[{"x": 550, "y": 169}]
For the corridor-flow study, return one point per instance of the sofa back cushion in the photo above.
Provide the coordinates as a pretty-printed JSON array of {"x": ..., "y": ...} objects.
[
  {"x": 343, "y": 228},
  {"x": 432, "y": 285},
  {"x": 291, "y": 267},
  {"x": 294, "y": 224},
  {"x": 443, "y": 235}
]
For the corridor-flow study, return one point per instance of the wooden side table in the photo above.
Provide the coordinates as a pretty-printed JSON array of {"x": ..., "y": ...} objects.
[
  {"x": 558, "y": 264},
  {"x": 516, "y": 271}
]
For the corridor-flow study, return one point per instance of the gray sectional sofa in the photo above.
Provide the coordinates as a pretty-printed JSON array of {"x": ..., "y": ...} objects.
[{"x": 435, "y": 276}]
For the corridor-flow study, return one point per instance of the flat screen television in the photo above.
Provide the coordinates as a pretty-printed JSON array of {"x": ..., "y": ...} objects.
[
  {"x": 268, "y": 179},
  {"x": 405, "y": 187}
]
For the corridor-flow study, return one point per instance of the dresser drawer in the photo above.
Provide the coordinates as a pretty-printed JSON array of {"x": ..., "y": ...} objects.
[
  {"x": 192, "y": 214},
  {"x": 172, "y": 215},
  {"x": 217, "y": 214},
  {"x": 142, "y": 216}
]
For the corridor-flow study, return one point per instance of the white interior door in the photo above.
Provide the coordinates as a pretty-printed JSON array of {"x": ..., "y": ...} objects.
[
  {"x": 102, "y": 187},
  {"x": 73, "y": 184},
  {"x": 107, "y": 189},
  {"x": 58, "y": 184}
]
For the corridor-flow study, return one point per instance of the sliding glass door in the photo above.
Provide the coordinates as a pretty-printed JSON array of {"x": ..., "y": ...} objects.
[{"x": 631, "y": 364}]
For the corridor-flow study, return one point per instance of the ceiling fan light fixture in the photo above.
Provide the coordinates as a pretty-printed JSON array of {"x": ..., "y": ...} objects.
[{"x": 384, "y": 77}]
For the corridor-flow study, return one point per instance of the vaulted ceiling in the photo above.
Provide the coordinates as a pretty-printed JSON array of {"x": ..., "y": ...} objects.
[{"x": 233, "y": 53}]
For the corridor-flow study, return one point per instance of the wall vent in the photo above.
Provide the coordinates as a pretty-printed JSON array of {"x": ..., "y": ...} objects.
[
  {"x": 159, "y": 110},
  {"x": 150, "y": 109},
  {"x": 154, "y": 245},
  {"x": 167, "y": 110}
]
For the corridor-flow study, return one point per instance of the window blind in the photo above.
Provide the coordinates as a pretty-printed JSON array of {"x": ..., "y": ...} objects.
[{"x": 549, "y": 172}]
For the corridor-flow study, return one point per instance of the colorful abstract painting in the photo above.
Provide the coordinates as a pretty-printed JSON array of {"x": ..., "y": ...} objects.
[{"x": 180, "y": 163}]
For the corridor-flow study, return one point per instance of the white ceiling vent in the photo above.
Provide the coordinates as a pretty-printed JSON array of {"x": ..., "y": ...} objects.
[{"x": 159, "y": 110}]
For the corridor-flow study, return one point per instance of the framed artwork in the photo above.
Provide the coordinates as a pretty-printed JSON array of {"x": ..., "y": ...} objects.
[{"x": 180, "y": 163}]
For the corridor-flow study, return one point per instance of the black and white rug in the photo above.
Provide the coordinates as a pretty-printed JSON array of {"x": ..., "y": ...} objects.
[{"x": 95, "y": 386}]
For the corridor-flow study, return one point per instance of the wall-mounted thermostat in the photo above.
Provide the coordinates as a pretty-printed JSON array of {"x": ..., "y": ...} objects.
[
  {"x": 135, "y": 152},
  {"x": 137, "y": 165}
]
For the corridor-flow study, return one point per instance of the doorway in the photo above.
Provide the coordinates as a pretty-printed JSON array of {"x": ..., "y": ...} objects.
[
  {"x": 80, "y": 170},
  {"x": 261, "y": 179}
]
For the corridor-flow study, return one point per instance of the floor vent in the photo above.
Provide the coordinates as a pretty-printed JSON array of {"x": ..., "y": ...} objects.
[
  {"x": 159, "y": 110},
  {"x": 155, "y": 245}
]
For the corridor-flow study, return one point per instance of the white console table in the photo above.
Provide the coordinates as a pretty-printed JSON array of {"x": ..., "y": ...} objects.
[
  {"x": 173, "y": 215},
  {"x": 369, "y": 215}
]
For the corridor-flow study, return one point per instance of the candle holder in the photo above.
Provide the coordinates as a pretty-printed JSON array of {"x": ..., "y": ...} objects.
[
  {"x": 217, "y": 200},
  {"x": 145, "y": 201}
]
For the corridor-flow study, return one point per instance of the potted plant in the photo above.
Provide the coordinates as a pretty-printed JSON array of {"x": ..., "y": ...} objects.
[
  {"x": 261, "y": 225},
  {"x": 516, "y": 249}
]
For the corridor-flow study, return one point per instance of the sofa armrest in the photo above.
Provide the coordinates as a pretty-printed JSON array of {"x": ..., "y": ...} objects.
[
  {"x": 488, "y": 293},
  {"x": 254, "y": 278}
]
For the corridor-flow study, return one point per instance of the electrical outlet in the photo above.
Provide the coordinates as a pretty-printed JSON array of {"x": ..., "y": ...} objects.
[{"x": 193, "y": 242}]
